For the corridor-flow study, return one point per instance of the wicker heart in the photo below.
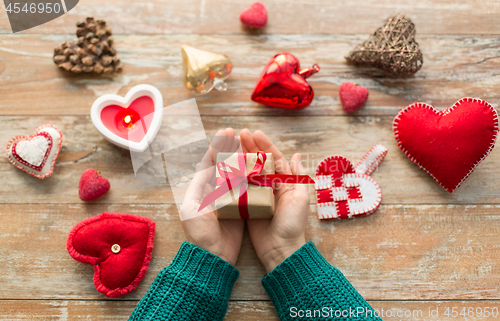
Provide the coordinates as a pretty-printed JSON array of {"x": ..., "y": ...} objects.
[
  {"x": 392, "y": 48},
  {"x": 344, "y": 190},
  {"x": 119, "y": 246},
  {"x": 450, "y": 143},
  {"x": 37, "y": 154}
]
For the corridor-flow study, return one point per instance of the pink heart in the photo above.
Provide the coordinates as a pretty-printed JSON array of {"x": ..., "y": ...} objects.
[
  {"x": 352, "y": 97},
  {"x": 255, "y": 16}
]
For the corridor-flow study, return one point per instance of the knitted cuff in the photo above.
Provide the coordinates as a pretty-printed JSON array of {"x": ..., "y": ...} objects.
[
  {"x": 291, "y": 276},
  {"x": 306, "y": 281},
  {"x": 213, "y": 272}
]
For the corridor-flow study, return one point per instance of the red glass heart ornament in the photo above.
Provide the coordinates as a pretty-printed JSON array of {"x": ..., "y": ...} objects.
[
  {"x": 119, "y": 246},
  {"x": 283, "y": 85},
  {"x": 450, "y": 143}
]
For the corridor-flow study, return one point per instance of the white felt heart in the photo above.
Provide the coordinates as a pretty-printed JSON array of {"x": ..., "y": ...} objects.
[
  {"x": 366, "y": 200},
  {"x": 33, "y": 151},
  {"x": 37, "y": 154}
]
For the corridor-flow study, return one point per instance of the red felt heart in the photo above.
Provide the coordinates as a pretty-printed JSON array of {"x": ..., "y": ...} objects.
[
  {"x": 255, "y": 16},
  {"x": 120, "y": 120},
  {"x": 282, "y": 85},
  {"x": 352, "y": 96},
  {"x": 450, "y": 143},
  {"x": 118, "y": 245},
  {"x": 92, "y": 185}
]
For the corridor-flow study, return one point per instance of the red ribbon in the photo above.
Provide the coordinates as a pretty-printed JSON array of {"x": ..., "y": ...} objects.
[{"x": 231, "y": 177}]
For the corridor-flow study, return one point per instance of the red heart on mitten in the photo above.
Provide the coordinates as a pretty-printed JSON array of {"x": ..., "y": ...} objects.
[
  {"x": 344, "y": 190},
  {"x": 282, "y": 85},
  {"x": 255, "y": 16},
  {"x": 119, "y": 246},
  {"x": 352, "y": 96},
  {"x": 92, "y": 185},
  {"x": 450, "y": 143}
]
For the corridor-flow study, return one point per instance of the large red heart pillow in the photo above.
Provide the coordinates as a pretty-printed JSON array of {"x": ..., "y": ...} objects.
[
  {"x": 119, "y": 246},
  {"x": 450, "y": 143}
]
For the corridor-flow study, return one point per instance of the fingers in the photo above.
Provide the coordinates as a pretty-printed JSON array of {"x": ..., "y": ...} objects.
[
  {"x": 247, "y": 142},
  {"x": 200, "y": 180},
  {"x": 296, "y": 165},
  {"x": 266, "y": 145}
]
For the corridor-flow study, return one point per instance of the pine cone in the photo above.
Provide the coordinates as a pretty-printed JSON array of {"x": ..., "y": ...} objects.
[{"x": 92, "y": 52}]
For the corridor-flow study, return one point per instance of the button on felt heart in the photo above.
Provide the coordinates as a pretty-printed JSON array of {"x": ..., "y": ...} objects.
[
  {"x": 282, "y": 85},
  {"x": 119, "y": 246},
  {"x": 37, "y": 154},
  {"x": 450, "y": 143},
  {"x": 132, "y": 121},
  {"x": 346, "y": 191}
]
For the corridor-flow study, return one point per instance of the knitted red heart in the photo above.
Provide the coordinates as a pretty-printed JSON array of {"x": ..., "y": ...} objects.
[
  {"x": 118, "y": 245},
  {"x": 92, "y": 185},
  {"x": 352, "y": 96},
  {"x": 282, "y": 85},
  {"x": 37, "y": 154},
  {"x": 255, "y": 16},
  {"x": 450, "y": 143},
  {"x": 346, "y": 191}
]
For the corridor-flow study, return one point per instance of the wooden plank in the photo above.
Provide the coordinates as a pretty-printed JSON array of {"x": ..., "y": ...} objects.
[
  {"x": 285, "y": 17},
  {"x": 399, "y": 253},
  {"x": 244, "y": 310},
  {"x": 402, "y": 181},
  {"x": 454, "y": 67}
]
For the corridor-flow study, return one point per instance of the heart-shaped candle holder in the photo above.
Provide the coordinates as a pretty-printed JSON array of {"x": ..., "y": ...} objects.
[{"x": 130, "y": 122}]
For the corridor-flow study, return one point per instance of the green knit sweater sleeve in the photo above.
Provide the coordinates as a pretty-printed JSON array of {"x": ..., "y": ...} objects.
[
  {"x": 306, "y": 287},
  {"x": 195, "y": 286}
]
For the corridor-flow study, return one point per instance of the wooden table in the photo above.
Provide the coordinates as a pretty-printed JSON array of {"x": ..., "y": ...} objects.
[{"x": 423, "y": 249}]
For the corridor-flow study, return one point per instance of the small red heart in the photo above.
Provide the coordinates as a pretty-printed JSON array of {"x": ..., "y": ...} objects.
[
  {"x": 450, "y": 143},
  {"x": 255, "y": 16},
  {"x": 92, "y": 185},
  {"x": 119, "y": 246},
  {"x": 282, "y": 85},
  {"x": 352, "y": 96}
]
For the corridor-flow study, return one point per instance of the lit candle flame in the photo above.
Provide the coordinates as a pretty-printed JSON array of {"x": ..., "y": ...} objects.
[{"x": 127, "y": 119}]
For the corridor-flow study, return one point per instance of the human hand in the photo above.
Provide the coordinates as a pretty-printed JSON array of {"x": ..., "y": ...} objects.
[
  {"x": 219, "y": 237},
  {"x": 276, "y": 239}
]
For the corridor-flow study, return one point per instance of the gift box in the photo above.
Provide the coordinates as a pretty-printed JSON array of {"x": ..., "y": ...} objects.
[{"x": 258, "y": 201}]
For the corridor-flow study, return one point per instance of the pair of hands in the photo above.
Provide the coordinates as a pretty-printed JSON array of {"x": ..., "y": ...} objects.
[{"x": 274, "y": 240}]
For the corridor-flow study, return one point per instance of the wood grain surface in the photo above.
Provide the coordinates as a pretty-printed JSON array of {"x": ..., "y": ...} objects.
[{"x": 424, "y": 249}]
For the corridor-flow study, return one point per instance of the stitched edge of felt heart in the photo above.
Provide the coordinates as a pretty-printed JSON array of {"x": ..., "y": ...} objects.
[
  {"x": 324, "y": 182},
  {"x": 442, "y": 113},
  {"x": 360, "y": 213},
  {"x": 87, "y": 259},
  {"x": 26, "y": 137}
]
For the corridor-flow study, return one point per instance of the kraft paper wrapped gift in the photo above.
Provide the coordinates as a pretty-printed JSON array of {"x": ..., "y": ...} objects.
[{"x": 260, "y": 198}]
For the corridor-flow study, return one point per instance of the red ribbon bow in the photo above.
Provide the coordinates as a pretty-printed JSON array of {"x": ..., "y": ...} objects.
[{"x": 232, "y": 177}]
